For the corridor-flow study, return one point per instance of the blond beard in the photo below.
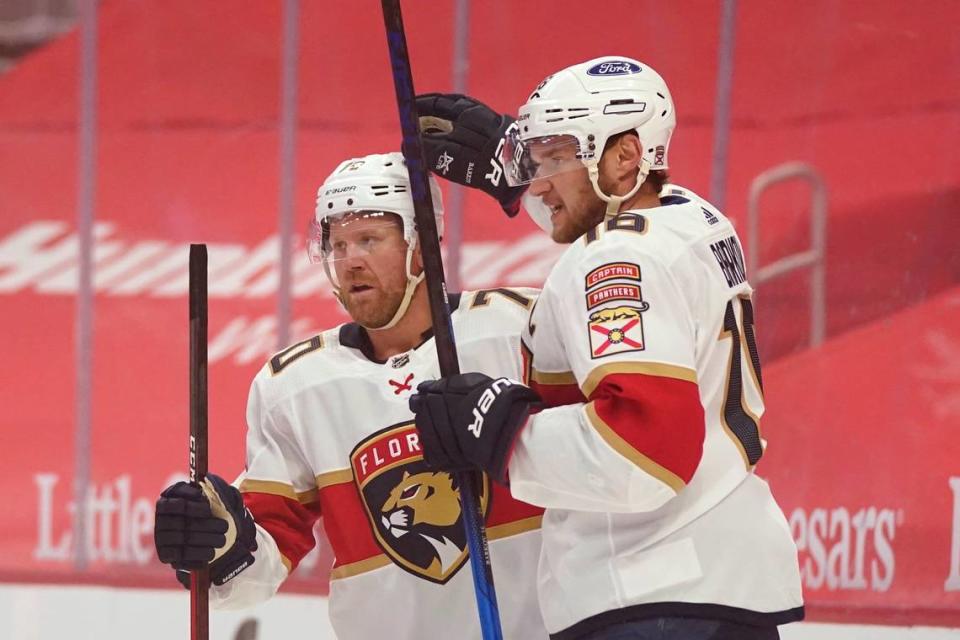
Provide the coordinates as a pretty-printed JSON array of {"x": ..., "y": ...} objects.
[{"x": 374, "y": 314}]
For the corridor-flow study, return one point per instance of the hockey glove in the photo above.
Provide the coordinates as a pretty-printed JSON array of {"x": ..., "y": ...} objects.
[
  {"x": 462, "y": 139},
  {"x": 470, "y": 421},
  {"x": 196, "y": 526}
]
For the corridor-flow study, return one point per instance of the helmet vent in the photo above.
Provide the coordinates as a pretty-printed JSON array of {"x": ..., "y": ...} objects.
[
  {"x": 570, "y": 111},
  {"x": 624, "y": 106},
  {"x": 387, "y": 189}
]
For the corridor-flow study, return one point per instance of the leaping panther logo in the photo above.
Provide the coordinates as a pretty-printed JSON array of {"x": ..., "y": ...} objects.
[{"x": 414, "y": 512}]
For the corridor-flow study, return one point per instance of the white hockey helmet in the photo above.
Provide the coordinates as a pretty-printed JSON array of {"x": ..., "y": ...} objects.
[
  {"x": 371, "y": 185},
  {"x": 583, "y": 106}
]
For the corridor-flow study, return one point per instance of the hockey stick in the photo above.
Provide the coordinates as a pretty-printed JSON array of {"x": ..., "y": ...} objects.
[
  {"x": 439, "y": 310},
  {"x": 199, "y": 580}
]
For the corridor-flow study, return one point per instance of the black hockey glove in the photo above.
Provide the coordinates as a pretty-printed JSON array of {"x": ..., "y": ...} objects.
[
  {"x": 196, "y": 526},
  {"x": 470, "y": 421},
  {"x": 462, "y": 141}
]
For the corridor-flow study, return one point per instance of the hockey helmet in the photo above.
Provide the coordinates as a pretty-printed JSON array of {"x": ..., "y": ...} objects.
[
  {"x": 578, "y": 109},
  {"x": 369, "y": 187}
]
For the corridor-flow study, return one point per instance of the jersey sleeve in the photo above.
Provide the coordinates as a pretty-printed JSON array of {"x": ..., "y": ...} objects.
[
  {"x": 621, "y": 320},
  {"x": 279, "y": 489}
]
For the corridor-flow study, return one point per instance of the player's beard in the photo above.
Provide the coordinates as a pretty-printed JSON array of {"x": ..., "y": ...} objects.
[
  {"x": 374, "y": 310},
  {"x": 583, "y": 211},
  {"x": 590, "y": 210}
]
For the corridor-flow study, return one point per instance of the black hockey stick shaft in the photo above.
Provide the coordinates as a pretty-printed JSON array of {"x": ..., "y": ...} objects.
[
  {"x": 199, "y": 580},
  {"x": 439, "y": 310}
]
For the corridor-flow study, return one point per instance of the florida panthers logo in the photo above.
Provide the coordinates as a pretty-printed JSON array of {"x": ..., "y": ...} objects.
[
  {"x": 414, "y": 511},
  {"x": 426, "y": 507}
]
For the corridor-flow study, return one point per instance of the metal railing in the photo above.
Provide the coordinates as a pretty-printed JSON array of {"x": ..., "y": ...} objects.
[{"x": 814, "y": 257}]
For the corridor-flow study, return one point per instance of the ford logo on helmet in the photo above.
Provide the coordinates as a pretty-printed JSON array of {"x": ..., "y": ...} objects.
[{"x": 613, "y": 68}]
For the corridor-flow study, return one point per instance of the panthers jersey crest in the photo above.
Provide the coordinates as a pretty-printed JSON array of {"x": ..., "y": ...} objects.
[{"x": 414, "y": 511}]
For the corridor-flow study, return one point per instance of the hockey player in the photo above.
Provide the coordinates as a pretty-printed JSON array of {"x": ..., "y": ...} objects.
[
  {"x": 330, "y": 434},
  {"x": 642, "y": 344}
]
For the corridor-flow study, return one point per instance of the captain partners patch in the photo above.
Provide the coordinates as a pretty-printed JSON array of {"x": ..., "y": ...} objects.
[
  {"x": 612, "y": 271},
  {"x": 613, "y": 292},
  {"x": 619, "y": 328}
]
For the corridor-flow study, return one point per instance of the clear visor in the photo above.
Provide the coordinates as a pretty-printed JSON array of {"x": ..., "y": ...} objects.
[
  {"x": 537, "y": 158},
  {"x": 345, "y": 244}
]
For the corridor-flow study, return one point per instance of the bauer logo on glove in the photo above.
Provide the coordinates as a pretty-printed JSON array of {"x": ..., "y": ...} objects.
[
  {"x": 486, "y": 400},
  {"x": 462, "y": 141},
  {"x": 471, "y": 421}
]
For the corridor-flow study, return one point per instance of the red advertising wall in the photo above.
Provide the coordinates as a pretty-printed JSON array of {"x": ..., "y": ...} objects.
[
  {"x": 862, "y": 431},
  {"x": 864, "y": 460}
]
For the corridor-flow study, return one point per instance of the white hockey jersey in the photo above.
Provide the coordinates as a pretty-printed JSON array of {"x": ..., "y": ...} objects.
[
  {"x": 330, "y": 434},
  {"x": 642, "y": 341}
]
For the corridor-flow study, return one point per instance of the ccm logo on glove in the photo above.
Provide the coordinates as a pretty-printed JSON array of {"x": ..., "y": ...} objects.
[{"x": 204, "y": 525}]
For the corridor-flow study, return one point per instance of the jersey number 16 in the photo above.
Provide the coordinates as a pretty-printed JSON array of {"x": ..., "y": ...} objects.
[{"x": 737, "y": 417}]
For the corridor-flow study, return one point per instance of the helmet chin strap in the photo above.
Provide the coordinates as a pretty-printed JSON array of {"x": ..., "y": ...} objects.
[
  {"x": 614, "y": 202},
  {"x": 412, "y": 282}
]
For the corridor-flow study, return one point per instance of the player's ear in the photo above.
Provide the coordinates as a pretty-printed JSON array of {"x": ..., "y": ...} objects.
[
  {"x": 621, "y": 157},
  {"x": 629, "y": 154}
]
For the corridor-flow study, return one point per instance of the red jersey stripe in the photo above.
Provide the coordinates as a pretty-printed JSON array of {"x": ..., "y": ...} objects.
[
  {"x": 505, "y": 510},
  {"x": 289, "y": 523},
  {"x": 347, "y": 525},
  {"x": 657, "y": 422},
  {"x": 556, "y": 395}
]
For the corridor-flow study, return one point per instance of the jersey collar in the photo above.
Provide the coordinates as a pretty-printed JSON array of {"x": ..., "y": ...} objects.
[{"x": 356, "y": 337}]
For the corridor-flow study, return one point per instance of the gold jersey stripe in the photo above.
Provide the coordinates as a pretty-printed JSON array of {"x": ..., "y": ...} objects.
[
  {"x": 516, "y": 527},
  {"x": 624, "y": 448},
  {"x": 361, "y": 566},
  {"x": 286, "y": 562},
  {"x": 278, "y": 489},
  {"x": 658, "y": 369},
  {"x": 338, "y": 476},
  {"x": 544, "y": 377}
]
